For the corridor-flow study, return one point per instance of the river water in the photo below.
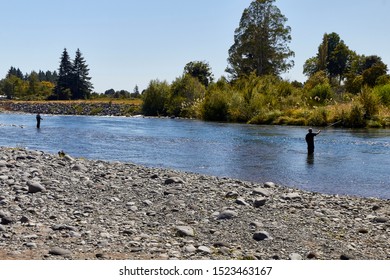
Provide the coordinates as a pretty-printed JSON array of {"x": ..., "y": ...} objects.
[{"x": 354, "y": 162}]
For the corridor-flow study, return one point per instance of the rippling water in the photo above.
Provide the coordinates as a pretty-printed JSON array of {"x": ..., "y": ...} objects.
[{"x": 355, "y": 162}]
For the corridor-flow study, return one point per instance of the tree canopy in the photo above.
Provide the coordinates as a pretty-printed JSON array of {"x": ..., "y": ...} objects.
[
  {"x": 333, "y": 56},
  {"x": 261, "y": 42},
  {"x": 339, "y": 62},
  {"x": 73, "y": 78},
  {"x": 200, "y": 70}
]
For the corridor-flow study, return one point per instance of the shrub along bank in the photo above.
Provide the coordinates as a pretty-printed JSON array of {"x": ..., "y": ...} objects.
[
  {"x": 253, "y": 100},
  {"x": 270, "y": 100}
]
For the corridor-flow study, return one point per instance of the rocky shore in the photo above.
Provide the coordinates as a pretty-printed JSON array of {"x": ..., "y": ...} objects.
[
  {"x": 59, "y": 207},
  {"x": 72, "y": 108}
]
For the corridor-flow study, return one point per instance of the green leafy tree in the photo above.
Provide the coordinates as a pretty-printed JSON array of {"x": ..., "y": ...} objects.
[
  {"x": 261, "y": 42},
  {"x": 33, "y": 84},
  {"x": 365, "y": 70},
  {"x": 200, "y": 70},
  {"x": 311, "y": 66},
  {"x": 372, "y": 69},
  {"x": 371, "y": 75},
  {"x": 135, "y": 93},
  {"x": 14, "y": 87},
  {"x": 185, "y": 91},
  {"x": 334, "y": 57},
  {"x": 155, "y": 98},
  {"x": 110, "y": 92},
  {"x": 216, "y": 106}
]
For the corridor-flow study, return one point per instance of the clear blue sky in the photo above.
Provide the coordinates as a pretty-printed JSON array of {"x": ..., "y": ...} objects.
[{"x": 131, "y": 42}]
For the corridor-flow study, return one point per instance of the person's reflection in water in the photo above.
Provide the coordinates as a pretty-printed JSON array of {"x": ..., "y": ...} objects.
[{"x": 310, "y": 159}]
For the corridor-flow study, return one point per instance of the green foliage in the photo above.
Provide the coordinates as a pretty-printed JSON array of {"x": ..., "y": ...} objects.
[
  {"x": 185, "y": 91},
  {"x": 81, "y": 86},
  {"x": 267, "y": 117},
  {"x": 155, "y": 98},
  {"x": 260, "y": 42},
  {"x": 383, "y": 92},
  {"x": 383, "y": 80},
  {"x": 356, "y": 118},
  {"x": 200, "y": 70},
  {"x": 372, "y": 74},
  {"x": 318, "y": 78},
  {"x": 354, "y": 83},
  {"x": 321, "y": 93},
  {"x": 238, "y": 107},
  {"x": 15, "y": 72},
  {"x": 369, "y": 102},
  {"x": 319, "y": 117},
  {"x": 73, "y": 78},
  {"x": 215, "y": 106},
  {"x": 333, "y": 58},
  {"x": 318, "y": 88},
  {"x": 31, "y": 88}
]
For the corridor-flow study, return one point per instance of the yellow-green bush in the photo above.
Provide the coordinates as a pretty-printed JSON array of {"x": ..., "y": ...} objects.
[
  {"x": 319, "y": 117},
  {"x": 369, "y": 101},
  {"x": 216, "y": 106},
  {"x": 383, "y": 92}
]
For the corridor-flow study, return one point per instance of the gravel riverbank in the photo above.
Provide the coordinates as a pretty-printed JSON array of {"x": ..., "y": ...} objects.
[
  {"x": 54, "y": 207},
  {"x": 72, "y": 108}
]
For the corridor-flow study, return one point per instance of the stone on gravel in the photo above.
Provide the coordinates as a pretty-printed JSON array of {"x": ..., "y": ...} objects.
[
  {"x": 173, "y": 180},
  {"x": 227, "y": 214},
  {"x": 190, "y": 248},
  {"x": 261, "y": 235},
  {"x": 6, "y": 220},
  {"x": 291, "y": 196},
  {"x": 241, "y": 201},
  {"x": 381, "y": 220},
  {"x": 184, "y": 231},
  {"x": 259, "y": 202},
  {"x": 59, "y": 251},
  {"x": 35, "y": 187},
  {"x": 295, "y": 257},
  {"x": 269, "y": 185},
  {"x": 204, "y": 250},
  {"x": 261, "y": 191}
]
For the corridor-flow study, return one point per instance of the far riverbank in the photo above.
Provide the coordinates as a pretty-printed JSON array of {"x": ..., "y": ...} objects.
[{"x": 89, "y": 108}]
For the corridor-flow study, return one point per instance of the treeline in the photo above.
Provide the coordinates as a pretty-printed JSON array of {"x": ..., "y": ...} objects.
[
  {"x": 71, "y": 82},
  {"x": 269, "y": 100},
  {"x": 32, "y": 86}
]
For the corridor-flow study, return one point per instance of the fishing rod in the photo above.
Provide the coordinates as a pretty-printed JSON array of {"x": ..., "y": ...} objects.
[{"x": 332, "y": 124}]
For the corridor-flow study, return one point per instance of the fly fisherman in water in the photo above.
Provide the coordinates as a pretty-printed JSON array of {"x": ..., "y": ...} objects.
[
  {"x": 39, "y": 118},
  {"x": 310, "y": 141}
]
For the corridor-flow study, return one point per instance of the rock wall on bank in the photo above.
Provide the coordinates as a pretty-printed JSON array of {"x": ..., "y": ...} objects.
[{"x": 72, "y": 108}]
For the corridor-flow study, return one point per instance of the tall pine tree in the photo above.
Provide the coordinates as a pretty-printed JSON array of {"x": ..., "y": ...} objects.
[
  {"x": 81, "y": 86},
  {"x": 73, "y": 78},
  {"x": 62, "y": 90}
]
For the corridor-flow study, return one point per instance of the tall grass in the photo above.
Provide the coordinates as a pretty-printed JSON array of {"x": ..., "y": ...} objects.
[{"x": 271, "y": 100}]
